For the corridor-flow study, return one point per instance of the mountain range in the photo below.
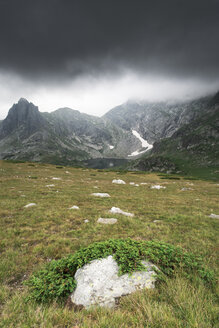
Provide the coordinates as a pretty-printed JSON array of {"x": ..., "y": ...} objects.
[{"x": 158, "y": 136}]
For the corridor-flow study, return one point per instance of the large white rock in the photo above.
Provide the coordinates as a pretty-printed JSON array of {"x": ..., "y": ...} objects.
[{"x": 98, "y": 283}]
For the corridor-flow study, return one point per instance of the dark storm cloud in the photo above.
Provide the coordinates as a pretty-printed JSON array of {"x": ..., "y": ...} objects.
[{"x": 71, "y": 37}]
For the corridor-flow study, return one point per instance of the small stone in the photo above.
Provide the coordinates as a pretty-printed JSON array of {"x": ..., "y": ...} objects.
[
  {"x": 107, "y": 221},
  {"x": 86, "y": 221},
  {"x": 157, "y": 187},
  {"x": 74, "y": 207},
  {"x": 119, "y": 181},
  {"x": 134, "y": 184},
  {"x": 214, "y": 216},
  {"x": 29, "y": 205},
  {"x": 117, "y": 210},
  {"x": 99, "y": 194}
]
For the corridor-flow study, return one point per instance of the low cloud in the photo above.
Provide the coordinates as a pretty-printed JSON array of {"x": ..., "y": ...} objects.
[{"x": 95, "y": 95}]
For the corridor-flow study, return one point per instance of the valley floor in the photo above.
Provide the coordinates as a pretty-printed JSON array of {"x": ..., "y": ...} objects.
[{"x": 32, "y": 236}]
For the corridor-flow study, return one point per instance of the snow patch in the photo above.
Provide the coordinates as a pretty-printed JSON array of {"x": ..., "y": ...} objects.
[{"x": 144, "y": 144}]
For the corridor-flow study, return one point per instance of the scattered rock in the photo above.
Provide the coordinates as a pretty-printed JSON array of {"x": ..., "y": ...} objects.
[
  {"x": 107, "y": 221},
  {"x": 86, "y": 221},
  {"x": 155, "y": 221},
  {"x": 118, "y": 181},
  {"x": 214, "y": 216},
  {"x": 157, "y": 187},
  {"x": 56, "y": 178},
  {"x": 117, "y": 210},
  {"x": 74, "y": 207},
  {"x": 184, "y": 189},
  {"x": 98, "y": 283},
  {"x": 50, "y": 185},
  {"x": 99, "y": 194},
  {"x": 143, "y": 183},
  {"x": 134, "y": 184},
  {"x": 29, "y": 205}
]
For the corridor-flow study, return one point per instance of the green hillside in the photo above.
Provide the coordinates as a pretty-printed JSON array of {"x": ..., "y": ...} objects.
[{"x": 32, "y": 237}]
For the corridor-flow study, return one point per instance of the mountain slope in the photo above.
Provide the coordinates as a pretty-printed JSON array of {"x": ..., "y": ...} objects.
[
  {"x": 63, "y": 136},
  {"x": 193, "y": 146},
  {"x": 155, "y": 121}
]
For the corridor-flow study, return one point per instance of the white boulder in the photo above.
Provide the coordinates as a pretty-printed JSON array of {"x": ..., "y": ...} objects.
[{"x": 98, "y": 282}]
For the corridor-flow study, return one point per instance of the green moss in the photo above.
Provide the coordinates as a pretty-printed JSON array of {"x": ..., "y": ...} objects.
[{"x": 56, "y": 279}]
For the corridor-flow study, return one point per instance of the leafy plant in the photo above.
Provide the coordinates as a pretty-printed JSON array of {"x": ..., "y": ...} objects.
[{"x": 56, "y": 279}]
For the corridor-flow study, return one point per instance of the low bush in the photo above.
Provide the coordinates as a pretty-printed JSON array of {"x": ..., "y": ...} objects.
[{"x": 56, "y": 280}]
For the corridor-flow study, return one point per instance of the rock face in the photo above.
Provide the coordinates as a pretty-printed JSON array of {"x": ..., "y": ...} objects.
[
  {"x": 64, "y": 136},
  {"x": 196, "y": 143},
  {"x": 155, "y": 121},
  {"x": 98, "y": 283}
]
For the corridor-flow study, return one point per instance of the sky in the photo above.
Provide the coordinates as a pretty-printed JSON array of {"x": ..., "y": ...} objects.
[{"x": 94, "y": 55}]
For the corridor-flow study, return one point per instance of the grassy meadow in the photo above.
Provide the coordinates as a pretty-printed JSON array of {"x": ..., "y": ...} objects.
[{"x": 31, "y": 237}]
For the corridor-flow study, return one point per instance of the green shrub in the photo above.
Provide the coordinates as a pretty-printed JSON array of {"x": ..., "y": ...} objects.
[{"x": 56, "y": 279}]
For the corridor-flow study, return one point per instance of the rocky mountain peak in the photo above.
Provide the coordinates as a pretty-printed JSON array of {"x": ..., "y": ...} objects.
[
  {"x": 23, "y": 114},
  {"x": 23, "y": 100}
]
